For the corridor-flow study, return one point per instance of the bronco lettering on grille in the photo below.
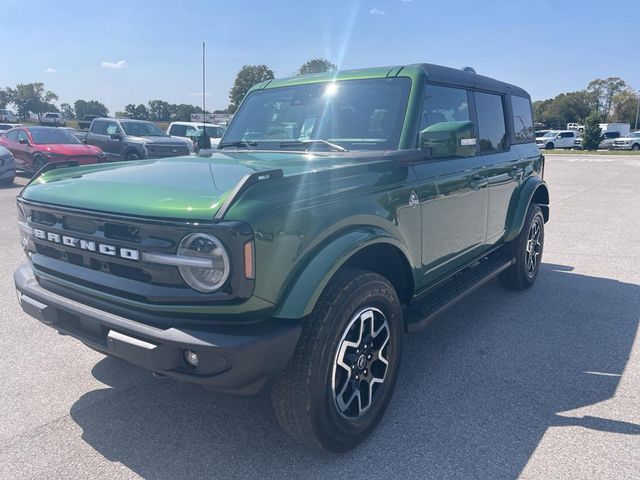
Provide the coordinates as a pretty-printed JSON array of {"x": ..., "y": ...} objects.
[{"x": 88, "y": 245}]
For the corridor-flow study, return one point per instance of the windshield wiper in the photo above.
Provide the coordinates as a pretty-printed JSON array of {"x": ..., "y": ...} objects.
[
  {"x": 239, "y": 143},
  {"x": 332, "y": 146}
]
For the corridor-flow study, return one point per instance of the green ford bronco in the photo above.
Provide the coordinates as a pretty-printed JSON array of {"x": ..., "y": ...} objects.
[{"x": 340, "y": 211}]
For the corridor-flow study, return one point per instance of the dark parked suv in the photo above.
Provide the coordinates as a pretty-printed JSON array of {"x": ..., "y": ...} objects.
[
  {"x": 340, "y": 211},
  {"x": 125, "y": 139}
]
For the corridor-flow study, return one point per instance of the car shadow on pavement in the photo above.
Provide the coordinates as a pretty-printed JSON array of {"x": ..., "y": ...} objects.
[{"x": 477, "y": 391}]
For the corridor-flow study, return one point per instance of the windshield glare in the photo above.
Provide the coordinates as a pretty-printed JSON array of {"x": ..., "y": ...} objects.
[
  {"x": 49, "y": 136},
  {"x": 142, "y": 129},
  {"x": 357, "y": 114}
]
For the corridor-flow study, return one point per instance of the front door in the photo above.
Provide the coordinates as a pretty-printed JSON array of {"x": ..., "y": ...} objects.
[{"x": 452, "y": 185}]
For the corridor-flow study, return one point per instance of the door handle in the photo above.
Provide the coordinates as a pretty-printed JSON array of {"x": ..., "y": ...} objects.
[
  {"x": 478, "y": 182},
  {"x": 516, "y": 172}
]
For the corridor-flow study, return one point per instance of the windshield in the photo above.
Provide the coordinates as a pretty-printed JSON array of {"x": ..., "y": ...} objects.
[
  {"x": 48, "y": 136},
  {"x": 142, "y": 129},
  {"x": 550, "y": 134},
  {"x": 356, "y": 114},
  {"x": 213, "y": 132}
]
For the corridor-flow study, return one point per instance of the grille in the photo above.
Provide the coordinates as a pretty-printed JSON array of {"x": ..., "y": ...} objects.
[
  {"x": 167, "y": 150},
  {"x": 63, "y": 267}
]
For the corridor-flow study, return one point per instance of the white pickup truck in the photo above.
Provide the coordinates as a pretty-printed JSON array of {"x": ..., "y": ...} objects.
[
  {"x": 558, "y": 139},
  {"x": 8, "y": 116},
  {"x": 53, "y": 119}
]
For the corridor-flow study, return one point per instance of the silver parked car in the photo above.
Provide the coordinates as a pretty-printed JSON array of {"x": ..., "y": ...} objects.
[{"x": 7, "y": 167}]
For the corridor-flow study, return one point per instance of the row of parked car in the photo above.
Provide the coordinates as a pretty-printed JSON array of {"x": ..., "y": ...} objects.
[
  {"x": 29, "y": 148},
  {"x": 613, "y": 137}
]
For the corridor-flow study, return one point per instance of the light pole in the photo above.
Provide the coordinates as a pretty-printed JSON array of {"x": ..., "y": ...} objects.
[{"x": 637, "y": 111}]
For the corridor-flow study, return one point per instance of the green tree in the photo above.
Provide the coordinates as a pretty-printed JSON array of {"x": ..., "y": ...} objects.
[
  {"x": 316, "y": 65},
  {"x": 138, "y": 112},
  {"x": 603, "y": 91},
  {"x": 183, "y": 111},
  {"x": 91, "y": 107},
  {"x": 5, "y": 97},
  {"x": 592, "y": 132},
  {"x": 31, "y": 97},
  {"x": 625, "y": 104},
  {"x": 159, "y": 110},
  {"x": 67, "y": 111},
  {"x": 247, "y": 77},
  {"x": 564, "y": 108}
]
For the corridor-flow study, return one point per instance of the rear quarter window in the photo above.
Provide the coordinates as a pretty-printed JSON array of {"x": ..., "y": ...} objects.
[{"x": 522, "y": 118}]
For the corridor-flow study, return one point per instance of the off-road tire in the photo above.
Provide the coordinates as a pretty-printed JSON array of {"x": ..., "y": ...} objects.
[
  {"x": 520, "y": 276},
  {"x": 303, "y": 396}
]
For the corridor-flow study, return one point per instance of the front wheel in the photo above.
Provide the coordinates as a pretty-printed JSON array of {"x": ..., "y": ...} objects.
[
  {"x": 635, "y": 147},
  {"x": 549, "y": 146},
  {"x": 526, "y": 250},
  {"x": 132, "y": 156},
  {"x": 342, "y": 374},
  {"x": 38, "y": 163}
]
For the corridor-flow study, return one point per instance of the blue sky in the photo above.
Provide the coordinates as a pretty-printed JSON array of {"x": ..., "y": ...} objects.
[{"x": 74, "y": 47}]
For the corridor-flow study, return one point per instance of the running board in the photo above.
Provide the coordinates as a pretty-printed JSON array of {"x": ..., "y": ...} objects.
[{"x": 419, "y": 314}]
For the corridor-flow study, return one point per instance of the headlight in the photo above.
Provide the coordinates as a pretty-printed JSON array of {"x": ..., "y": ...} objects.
[
  {"x": 54, "y": 156},
  {"x": 205, "y": 247}
]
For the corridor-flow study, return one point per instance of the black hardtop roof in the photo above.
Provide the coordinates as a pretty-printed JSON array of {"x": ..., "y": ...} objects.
[{"x": 440, "y": 74}]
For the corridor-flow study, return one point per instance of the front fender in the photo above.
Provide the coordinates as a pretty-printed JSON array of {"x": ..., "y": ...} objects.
[
  {"x": 307, "y": 286},
  {"x": 533, "y": 187}
]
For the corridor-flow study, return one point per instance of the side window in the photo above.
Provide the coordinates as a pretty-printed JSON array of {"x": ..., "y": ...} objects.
[
  {"x": 22, "y": 135},
  {"x": 492, "y": 130},
  {"x": 177, "y": 130},
  {"x": 189, "y": 131},
  {"x": 12, "y": 136},
  {"x": 112, "y": 128},
  {"x": 446, "y": 125},
  {"x": 567, "y": 135},
  {"x": 99, "y": 127},
  {"x": 522, "y": 118}
]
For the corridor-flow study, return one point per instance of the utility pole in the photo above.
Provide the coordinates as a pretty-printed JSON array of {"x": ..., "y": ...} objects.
[{"x": 637, "y": 111}]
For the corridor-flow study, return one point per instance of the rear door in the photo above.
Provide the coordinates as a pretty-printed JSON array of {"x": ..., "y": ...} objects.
[
  {"x": 452, "y": 189},
  {"x": 98, "y": 135},
  {"x": 114, "y": 147},
  {"x": 11, "y": 142},
  {"x": 504, "y": 165}
]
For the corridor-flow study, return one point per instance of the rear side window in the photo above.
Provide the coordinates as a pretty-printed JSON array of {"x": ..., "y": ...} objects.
[
  {"x": 445, "y": 125},
  {"x": 522, "y": 118},
  {"x": 492, "y": 131},
  {"x": 178, "y": 130},
  {"x": 99, "y": 127},
  {"x": 567, "y": 135}
]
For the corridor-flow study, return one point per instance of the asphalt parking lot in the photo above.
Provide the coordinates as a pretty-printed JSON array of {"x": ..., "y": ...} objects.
[{"x": 540, "y": 384}]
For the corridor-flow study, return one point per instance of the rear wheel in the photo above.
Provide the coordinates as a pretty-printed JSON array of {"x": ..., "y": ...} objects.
[
  {"x": 526, "y": 248},
  {"x": 7, "y": 181},
  {"x": 341, "y": 377}
]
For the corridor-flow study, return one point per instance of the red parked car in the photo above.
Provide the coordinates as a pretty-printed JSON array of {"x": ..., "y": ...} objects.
[{"x": 33, "y": 147}]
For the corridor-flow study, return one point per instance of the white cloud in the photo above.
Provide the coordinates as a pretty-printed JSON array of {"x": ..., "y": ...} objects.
[
  {"x": 119, "y": 64},
  {"x": 199, "y": 94},
  {"x": 51, "y": 70},
  {"x": 377, "y": 11}
]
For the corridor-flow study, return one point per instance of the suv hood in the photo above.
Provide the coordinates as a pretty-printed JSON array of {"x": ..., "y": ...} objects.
[{"x": 190, "y": 188}]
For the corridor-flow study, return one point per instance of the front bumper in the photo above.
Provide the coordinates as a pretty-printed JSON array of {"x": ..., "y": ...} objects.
[
  {"x": 621, "y": 147},
  {"x": 239, "y": 360}
]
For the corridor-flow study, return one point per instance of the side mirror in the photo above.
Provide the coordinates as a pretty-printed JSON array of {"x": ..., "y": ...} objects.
[
  {"x": 116, "y": 136},
  {"x": 447, "y": 139},
  {"x": 23, "y": 141},
  {"x": 558, "y": 137}
]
